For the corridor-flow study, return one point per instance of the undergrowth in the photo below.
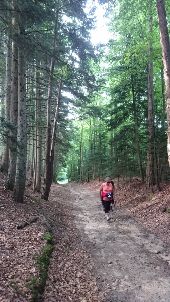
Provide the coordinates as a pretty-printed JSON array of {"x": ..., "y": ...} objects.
[{"x": 37, "y": 284}]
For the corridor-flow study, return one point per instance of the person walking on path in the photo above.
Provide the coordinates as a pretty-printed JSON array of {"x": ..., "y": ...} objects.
[{"x": 107, "y": 190}]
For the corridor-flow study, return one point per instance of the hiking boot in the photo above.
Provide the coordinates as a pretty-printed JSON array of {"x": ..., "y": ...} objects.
[{"x": 107, "y": 217}]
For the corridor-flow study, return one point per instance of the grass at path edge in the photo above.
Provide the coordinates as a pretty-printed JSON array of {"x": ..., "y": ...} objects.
[{"x": 37, "y": 284}]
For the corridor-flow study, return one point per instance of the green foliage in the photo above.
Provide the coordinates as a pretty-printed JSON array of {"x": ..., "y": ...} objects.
[
  {"x": 48, "y": 237},
  {"x": 106, "y": 86},
  {"x": 117, "y": 145}
]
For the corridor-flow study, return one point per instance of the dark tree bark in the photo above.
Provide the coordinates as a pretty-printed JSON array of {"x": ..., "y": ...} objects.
[
  {"x": 137, "y": 140},
  {"x": 48, "y": 166},
  {"x": 81, "y": 155},
  {"x": 38, "y": 136},
  {"x": 20, "y": 177},
  {"x": 50, "y": 149},
  {"x": 165, "y": 44},
  {"x": 150, "y": 153},
  {"x": 14, "y": 102},
  {"x": 49, "y": 153},
  {"x": 5, "y": 160}
]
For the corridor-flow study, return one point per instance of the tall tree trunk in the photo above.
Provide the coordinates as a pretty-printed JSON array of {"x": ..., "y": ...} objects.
[
  {"x": 50, "y": 162},
  {"x": 38, "y": 138},
  {"x": 150, "y": 153},
  {"x": 136, "y": 130},
  {"x": 81, "y": 154},
  {"x": 47, "y": 183},
  {"x": 163, "y": 116},
  {"x": 90, "y": 151},
  {"x": 54, "y": 131},
  {"x": 165, "y": 44},
  {"x": 20, "y": 178},
  {"x": 55, "y": 119},
  {"x": 100, "y": 163},
  {"x": 48, "y": 165},
  {"x": 94, "y": 150},
  {"x": 14, "y": 103},
  {"x": 5, "y": 160}
]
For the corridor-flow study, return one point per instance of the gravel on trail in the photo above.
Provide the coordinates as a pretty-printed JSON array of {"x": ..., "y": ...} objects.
[
  {"x": 131, "y": 263},
  {"x": 71, "y": 273}
]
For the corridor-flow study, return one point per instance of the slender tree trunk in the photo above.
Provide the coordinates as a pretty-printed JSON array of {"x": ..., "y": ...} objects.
[
  {"x": 20, "y": 178},
  {"x": 150, "y": 153},
  {"x": 54, "y": 132},
  {"x": 32, "y": 125},
  {"x": 14, "y": 104},
  {"x": 5, "y": 160},
  {"x": 35, "y": 144},
  {"x": 157, "y": 170},
  {"x": 152, "y": 164},
  {"x": 94, "y": 150},
  {"x": 100, "y": 163},
  {"x": 48, "y": 163},
  {"x": 81, "y": 155},
  {"x": 136, "y": 131},
  {"x": 51, "y": 149},
  {"x": 56, "y": 117},
  {"x": 33, "y": 154},
  {"x": 163, "y": 117},
  {"x": 38, "y": 139},
  {"x": 39, "y": 158},
  {"x": 90, "y": 151},
  {"x": 47, "y": 183},
  {"x": 165, "y": 44}
]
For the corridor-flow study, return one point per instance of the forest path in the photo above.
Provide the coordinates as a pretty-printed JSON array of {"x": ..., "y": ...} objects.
[{"x": 130, "y": 263}]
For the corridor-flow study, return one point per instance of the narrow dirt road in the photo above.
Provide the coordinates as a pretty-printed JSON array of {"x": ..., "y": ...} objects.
[
  {"x": 130, "y": 264},
  {"x": 92, "y": 260}
]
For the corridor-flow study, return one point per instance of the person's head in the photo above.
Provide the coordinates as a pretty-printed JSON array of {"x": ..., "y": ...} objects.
[{"x": 108, "y": 179}]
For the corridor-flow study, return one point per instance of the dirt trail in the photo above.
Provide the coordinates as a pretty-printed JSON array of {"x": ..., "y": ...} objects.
[
  {"x": 93, "y": 260},
  {"x": 131, "y": 264}
]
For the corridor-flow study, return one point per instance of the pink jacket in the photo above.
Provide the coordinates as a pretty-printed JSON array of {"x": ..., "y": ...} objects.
[{"x": 106, "y": 190}]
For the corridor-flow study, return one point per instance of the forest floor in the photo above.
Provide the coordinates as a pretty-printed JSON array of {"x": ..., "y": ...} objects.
[{"x": 125, "y": 259}]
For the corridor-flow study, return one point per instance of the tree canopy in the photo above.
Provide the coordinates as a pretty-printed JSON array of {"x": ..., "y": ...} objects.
[{"x": 69, "y": 105}]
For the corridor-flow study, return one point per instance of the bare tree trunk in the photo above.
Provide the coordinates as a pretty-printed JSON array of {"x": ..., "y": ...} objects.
[
  {"x": 94, "y": 150},
  {"x": 56, "y": 118},
  {"x": 163, "y": 117},
  {"x": 48, "y": 163},
  {"x": 47, "y": 183},
  {"x": 81, "y": 155},
  {"x": 35, "y": 151},
  {"x": 150, "y": 153},
  {"x": 55, "y": 129},
  {"x": 38, "y": 138},
  {"x": 90, "y": 151},
  {"x": 20, "y": 178},
  {"x": 5, "y": 160},
  {"x": 165, "y": 44},
  {"x": 136, "y": 130},
  {"x": 14, "y": 104}
]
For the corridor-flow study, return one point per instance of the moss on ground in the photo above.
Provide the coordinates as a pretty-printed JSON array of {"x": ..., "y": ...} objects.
[{"x": 37, "y": 284}]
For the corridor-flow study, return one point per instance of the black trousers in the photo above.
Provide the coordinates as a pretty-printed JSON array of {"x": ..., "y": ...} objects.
[{"x": 106, "y": 206}]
